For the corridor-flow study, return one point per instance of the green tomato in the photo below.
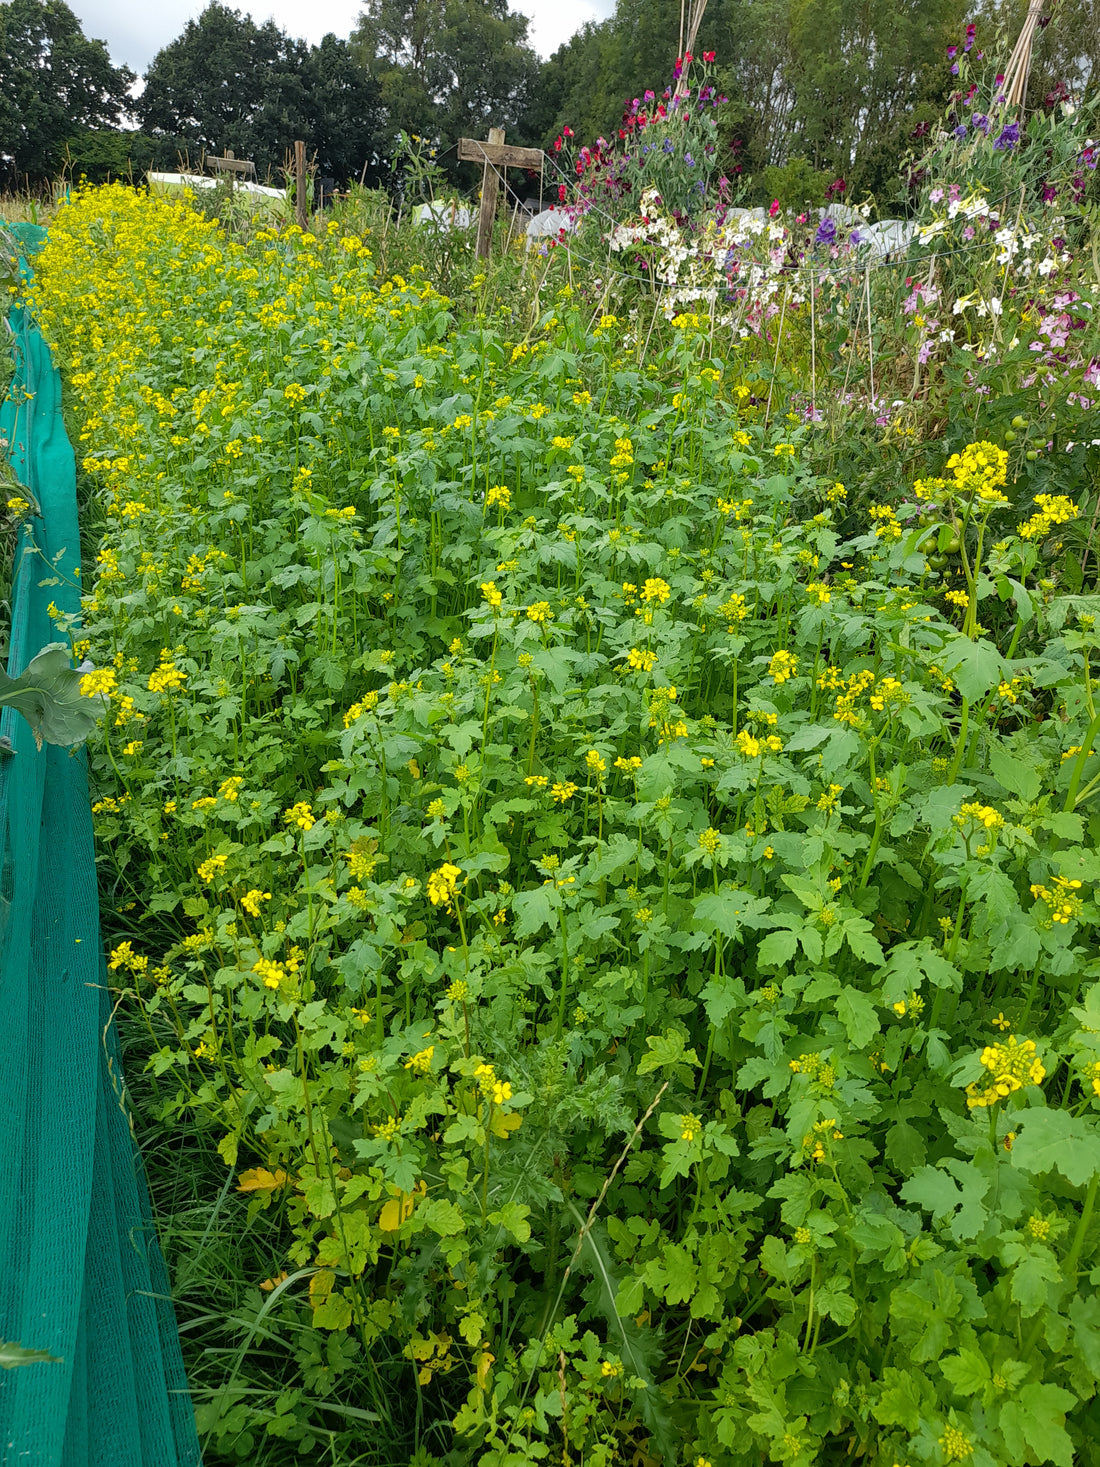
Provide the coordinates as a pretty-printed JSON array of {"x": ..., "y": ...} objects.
[
  {"x": 953, "y": 546},
  {"x": 937, "y": 562},
  {"x": 1010, "y": 437},
  {"x": 1032, "y": 454}
]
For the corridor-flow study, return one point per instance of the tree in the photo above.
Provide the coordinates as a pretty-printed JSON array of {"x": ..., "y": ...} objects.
[
  {"x": 857, "y": 91},
  {"x": 836, "y": 83},
  {"x": 345, "y": 110},
  {"x": 229, "y": 83},
  {"x": 448, "y": 67},
  {"x": 54, "y": 82}
]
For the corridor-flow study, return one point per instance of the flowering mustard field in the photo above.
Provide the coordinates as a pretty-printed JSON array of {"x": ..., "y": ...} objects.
[{"x": 624, "y": 917}]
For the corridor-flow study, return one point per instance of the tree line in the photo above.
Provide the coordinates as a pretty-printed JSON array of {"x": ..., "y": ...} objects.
[{"x": 834, "y": 88}]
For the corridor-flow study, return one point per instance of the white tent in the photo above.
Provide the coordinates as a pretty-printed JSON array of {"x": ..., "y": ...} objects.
[
  {"x": 887, "y": 237},
  {"x": 443, "y": 216},
  {"x": 168, "y": 181},
  {"x": 549, "y": 224}
]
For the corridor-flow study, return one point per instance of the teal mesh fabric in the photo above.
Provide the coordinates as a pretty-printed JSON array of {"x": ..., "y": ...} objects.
[{"x": 81, "y": 1275}]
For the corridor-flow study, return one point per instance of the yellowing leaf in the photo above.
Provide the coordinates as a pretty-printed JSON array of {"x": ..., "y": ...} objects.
[
  {"x": 259, "y": 1179},
  {"x": 227, "y": 1150},
  {"x": 397, "y": 1209},
  {"x": 321, "y": 1284},
  {"x": 269, "y": 1284},
  {"x": 331, "y": 1308},
  {"x": 505, "y": 1122},
  {"x": 484, "y": 1360}
]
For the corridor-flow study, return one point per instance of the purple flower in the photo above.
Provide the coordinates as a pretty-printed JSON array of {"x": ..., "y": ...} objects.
[
  {"x": 981, "y": 122},
  {"x": 952, "y": 52},
  {"x": 1050, "y": 193},
  {"x": 960, "y": 131},
  {"x": 954, "y": 68},
  {"x": 826, "y": 232},
  {"x": 1009, "y": 137}
]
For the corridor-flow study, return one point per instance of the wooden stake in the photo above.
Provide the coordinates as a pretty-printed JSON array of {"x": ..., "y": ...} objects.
[
  {"x": 490, "y": 188},
  {"x": 301, "y": 210}
]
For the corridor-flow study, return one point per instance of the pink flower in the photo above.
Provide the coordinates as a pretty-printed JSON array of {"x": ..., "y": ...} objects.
[{"x": 774, "y": 210}]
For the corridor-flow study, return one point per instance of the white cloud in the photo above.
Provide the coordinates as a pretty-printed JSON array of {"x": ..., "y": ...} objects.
[{"x": 136, "y": 30}]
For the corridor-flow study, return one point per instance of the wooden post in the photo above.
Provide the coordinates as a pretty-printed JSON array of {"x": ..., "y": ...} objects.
[
  {"x": 229, "y": 156},
  {"x": 494, "y": 156},
  {"x": 490, "y": 187},
  {"x": 300, "y": 185}
]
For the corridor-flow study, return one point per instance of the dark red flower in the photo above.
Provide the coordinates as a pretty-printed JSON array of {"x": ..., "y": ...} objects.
[{"x": 708, "y": 56}]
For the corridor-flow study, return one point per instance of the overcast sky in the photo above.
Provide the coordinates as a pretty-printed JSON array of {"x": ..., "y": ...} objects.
[{"x": 135, "y": 30}]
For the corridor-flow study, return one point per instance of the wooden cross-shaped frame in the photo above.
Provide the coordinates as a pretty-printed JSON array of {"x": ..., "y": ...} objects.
[
  {"x": 231, "y": 165},
  {"x": 494, "y": 155}
]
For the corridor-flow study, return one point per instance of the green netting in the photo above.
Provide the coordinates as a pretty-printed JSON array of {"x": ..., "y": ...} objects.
[{"x": 81, "y": 1275}]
